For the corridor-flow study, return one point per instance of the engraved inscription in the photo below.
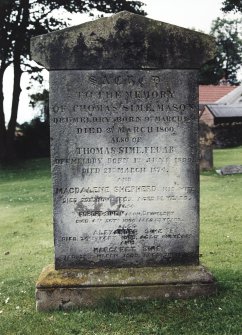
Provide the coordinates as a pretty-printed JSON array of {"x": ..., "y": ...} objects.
[{"x": 124, "y": 163}]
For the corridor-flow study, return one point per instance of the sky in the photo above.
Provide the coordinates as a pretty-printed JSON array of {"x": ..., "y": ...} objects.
[
  {"x": 196, "y": 14},
  {"x": 193, "y": 14}
]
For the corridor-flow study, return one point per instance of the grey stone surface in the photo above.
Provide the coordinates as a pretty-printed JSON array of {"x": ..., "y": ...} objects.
[
  {"x": 125, "y": 167},
  {"x": 123, "y": 41},
  {"x": 125, "y": 161},
  {"x": 70, "y": 289},
  {"x": 206, "y": 158},
  {"x": 50, "y": 277},
  {"x": 231, "y": 169},
  {"x": 206, "y": 139},
  {"x": 75, "y": 298}
]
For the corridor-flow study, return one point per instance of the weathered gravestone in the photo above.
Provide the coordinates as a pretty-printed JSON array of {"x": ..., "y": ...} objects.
[
  {"x": 124, "y": 153},
  {"x": 206, "y": 139},
  {"x": 231, "y": 169}
]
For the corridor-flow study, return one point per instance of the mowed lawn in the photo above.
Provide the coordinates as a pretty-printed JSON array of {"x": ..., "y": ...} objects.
[{"x": 26, "y": 246}]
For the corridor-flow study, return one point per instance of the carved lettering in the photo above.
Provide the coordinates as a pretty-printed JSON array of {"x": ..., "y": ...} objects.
[{"x": 123, "y": 160}]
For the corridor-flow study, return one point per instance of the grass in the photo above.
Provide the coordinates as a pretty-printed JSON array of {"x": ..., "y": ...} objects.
[{"x": 26, "y": 246}]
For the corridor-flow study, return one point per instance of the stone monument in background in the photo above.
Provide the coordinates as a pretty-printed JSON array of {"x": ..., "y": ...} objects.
[
  {"x": 125, "y": 161},
  {"x": 206, "y": 140}
]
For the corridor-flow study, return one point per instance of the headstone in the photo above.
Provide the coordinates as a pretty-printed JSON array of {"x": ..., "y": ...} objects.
[
  {"x": 231, "y": 169},
  {"x": 206, "y": 139},
  {"x": 124, "y": 156},
  {"x": 124, "y": 164}
]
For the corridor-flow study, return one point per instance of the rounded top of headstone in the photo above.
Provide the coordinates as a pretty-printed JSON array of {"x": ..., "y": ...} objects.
[{"x": 123, "y": 41}]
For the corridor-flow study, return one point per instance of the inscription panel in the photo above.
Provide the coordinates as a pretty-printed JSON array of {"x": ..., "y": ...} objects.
[{"x": 125, "y": 167}]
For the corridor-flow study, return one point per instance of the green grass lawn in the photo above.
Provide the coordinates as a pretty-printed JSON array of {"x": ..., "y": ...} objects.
[{"x": 26, "y": 246}]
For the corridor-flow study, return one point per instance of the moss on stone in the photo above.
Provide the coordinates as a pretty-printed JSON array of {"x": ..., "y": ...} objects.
[
  {"x": 50, "y": 277},
  {"x": 123, "y": 41}
]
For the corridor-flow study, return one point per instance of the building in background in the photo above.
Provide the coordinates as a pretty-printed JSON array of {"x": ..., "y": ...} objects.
[
  {"x": 220, "y": 104},
  {"x": 220, "y": 108}
]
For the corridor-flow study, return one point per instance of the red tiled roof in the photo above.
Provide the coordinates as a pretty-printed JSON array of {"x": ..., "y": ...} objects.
[{"x": 212, "y": 93}]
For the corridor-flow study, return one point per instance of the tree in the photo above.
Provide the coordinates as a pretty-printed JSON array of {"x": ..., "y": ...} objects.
[
  {"x": 229, "y": 52},
  {"x": 211, "y": 72},
  {"x": 19, "y": 21},
  {"x": 232, "y": 5},
  {"x": 41, "y": 100}
]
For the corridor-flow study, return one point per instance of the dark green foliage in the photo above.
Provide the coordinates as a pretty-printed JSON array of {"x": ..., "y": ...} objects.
[
  {"x": 34, "y": 140},
  {"x": 232, "y": 5},
  {"x": 227, "y": 62},
  {"x": 41, "y": 98},
  {"x": 211, "y": 72},
  {"x": 228, "y": 135}
]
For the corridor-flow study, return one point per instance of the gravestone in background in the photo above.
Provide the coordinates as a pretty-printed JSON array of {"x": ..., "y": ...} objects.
[
  {"x": 206, "y": 140},
  {"x": 231, "y": 169},
  {"x": 124, "y": 157}
]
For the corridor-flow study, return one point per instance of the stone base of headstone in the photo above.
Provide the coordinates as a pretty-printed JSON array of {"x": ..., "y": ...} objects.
[{"x": 75, "y": 288}]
